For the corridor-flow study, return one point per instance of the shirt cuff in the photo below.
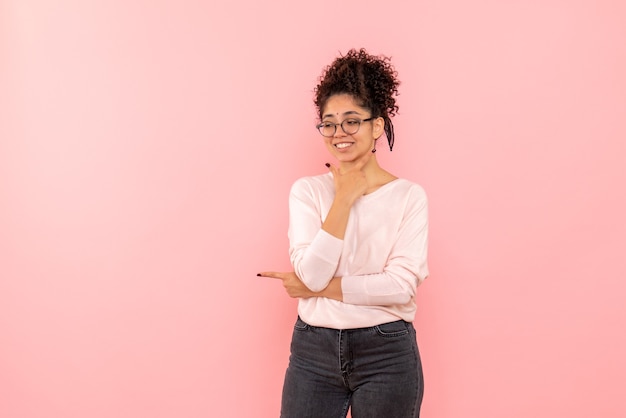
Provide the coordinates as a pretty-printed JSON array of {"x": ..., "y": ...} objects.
[{"x": 354, "y": 290}]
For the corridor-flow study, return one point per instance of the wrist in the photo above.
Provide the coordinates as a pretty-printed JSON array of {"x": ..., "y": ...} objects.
[
  {"x": 344, "y": 200},
  {"x": 333, "y": 290}
]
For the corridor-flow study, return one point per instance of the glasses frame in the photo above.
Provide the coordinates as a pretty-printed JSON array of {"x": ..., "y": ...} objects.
[{"x": 320, "y": 125}]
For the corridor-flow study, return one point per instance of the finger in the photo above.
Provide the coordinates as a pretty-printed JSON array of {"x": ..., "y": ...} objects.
[
  {"x": 271, "y": 275},
  {"x": 332, "y": 169}
]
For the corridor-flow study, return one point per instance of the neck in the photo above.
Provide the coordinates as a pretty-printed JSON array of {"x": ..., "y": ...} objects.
[
  {"x": 375, "y": 175},
  {"x": 371, "y": 169}
]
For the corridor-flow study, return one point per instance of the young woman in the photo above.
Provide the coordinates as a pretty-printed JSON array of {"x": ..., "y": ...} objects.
[{"x": 358, "y": 244}]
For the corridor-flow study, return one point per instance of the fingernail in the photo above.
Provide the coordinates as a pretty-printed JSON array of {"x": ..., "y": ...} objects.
[
  {"x": 258, "y": 274},
  {"x": 327, "y": 165}
]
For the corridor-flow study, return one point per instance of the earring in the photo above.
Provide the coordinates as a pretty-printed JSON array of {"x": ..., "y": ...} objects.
[{"x": 374, "y": 150}]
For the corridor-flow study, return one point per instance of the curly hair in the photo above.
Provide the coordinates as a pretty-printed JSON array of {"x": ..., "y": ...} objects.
[{"x": 371, "y": 80}]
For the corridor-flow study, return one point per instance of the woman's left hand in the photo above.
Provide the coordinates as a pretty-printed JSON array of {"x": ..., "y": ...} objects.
[{"x": 292, "y": 283}]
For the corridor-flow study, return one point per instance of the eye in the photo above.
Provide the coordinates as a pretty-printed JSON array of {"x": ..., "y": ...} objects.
[
  {"x": 327, "y": 125},
  {"x": 351, "y": 122}
]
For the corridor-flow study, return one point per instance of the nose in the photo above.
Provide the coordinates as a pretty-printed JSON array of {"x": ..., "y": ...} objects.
[{"x": 339, "y": 132}]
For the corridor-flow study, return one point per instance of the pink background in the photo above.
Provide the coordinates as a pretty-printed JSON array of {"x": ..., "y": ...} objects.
[{"x": 147, "y": 149}]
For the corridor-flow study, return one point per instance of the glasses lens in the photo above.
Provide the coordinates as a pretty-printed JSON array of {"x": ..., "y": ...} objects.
[
  {"x": 326, "y": 128},
  {"x": 350, "y": 126}
]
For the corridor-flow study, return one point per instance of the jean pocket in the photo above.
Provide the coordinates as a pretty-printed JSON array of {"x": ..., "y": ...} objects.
[
  {"x": 392, "y": 329},
  {"x": 300, "y": 325}
]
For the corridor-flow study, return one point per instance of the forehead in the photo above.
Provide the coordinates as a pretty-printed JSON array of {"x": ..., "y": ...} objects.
[{"x": 342, "y": 104}]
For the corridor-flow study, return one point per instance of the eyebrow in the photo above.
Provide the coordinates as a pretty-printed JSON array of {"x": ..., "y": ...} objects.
[{"x": 349, "y": 112}]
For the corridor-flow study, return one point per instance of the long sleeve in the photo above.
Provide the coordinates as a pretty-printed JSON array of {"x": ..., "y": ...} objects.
[
  {"x": 406, "y": 266},
  {"x": 314, "y": 253}
]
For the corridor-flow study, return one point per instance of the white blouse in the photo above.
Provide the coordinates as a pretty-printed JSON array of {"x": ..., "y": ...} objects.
[{"x": 382, "y": 258}]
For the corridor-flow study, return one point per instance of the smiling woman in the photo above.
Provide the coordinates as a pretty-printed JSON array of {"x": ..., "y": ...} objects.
[
  {"x": 358, "y": 245},
  {"x": 146, "y": 148}
]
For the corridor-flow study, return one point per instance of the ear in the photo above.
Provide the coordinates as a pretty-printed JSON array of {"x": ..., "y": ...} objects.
[{"x": 378, "y": 127}]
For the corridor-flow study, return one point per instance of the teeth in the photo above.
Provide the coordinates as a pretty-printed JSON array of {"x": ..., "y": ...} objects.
[{"x": 343, "y": 145}]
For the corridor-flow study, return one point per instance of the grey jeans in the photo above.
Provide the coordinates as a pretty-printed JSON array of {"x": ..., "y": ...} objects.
[{"x": 375, "y": 371}]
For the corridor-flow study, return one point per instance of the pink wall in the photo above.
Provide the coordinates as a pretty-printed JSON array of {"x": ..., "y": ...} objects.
[{"x": 146, "y": 153}]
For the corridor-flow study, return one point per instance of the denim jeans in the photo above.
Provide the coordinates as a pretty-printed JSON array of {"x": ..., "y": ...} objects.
[{"x": 376, "y": 371}]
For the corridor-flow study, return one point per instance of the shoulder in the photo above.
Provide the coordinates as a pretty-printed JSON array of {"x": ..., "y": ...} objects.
[
  {"x": 404, "y": 187},
  {"x": 408, "y": 196},
  {"x": 313, "y": 185}
]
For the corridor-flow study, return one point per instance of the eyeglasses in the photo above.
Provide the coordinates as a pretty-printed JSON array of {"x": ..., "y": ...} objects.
[{"x": 349, "y": 126}]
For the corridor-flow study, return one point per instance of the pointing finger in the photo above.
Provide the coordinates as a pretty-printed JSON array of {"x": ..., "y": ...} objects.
[{"x": 271, "y": 274}]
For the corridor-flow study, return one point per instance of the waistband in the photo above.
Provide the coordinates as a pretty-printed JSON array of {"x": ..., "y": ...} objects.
[{"x": 301, "y": 324}]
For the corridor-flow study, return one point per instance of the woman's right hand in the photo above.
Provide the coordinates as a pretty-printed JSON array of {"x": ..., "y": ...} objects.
[{"x": 350, "y": 183}]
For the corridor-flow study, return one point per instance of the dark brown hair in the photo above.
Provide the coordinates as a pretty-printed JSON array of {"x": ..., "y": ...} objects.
[{"x": 371, "y": 80}]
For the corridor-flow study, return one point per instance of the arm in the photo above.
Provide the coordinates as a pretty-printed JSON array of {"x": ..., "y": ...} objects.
[
  {"x": 316, "y": 245},
  {"x": 296, "y": 289},
  {"x": 314, "y": 253},
  {"x": 406, "y": 266}
]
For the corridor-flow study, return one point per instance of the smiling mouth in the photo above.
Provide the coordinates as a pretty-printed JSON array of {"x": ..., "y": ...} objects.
[{"x": 343, "y": 145}]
